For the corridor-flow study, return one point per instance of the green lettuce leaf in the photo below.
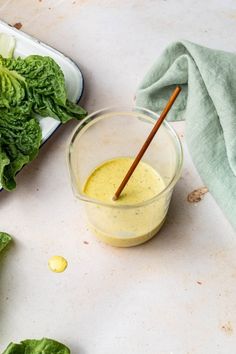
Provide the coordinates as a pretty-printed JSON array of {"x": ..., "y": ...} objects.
[
  {"x": 46, "y": 84},
  {"x": 4, "y": 240},
  {"x": 20, "y": 139},
  {"x": 13, "y": 88},
  {"x": 33, "y": 346}
]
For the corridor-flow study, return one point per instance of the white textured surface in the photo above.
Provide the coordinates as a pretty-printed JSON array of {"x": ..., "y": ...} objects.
[{"x": 132, "y": 301}]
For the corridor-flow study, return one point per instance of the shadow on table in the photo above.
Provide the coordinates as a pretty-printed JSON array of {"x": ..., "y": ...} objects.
[{"x": 179, "y": 219}]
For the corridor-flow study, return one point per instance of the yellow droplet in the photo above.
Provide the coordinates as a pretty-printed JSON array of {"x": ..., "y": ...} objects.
[{"x": 57, "y": 264}]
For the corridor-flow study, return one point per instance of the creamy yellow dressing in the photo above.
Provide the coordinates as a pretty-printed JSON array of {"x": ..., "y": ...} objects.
[
  {"x": 125, "y": 226},
  {"x": 57, "y": 264},
  {"x": 144, "y": 184}
]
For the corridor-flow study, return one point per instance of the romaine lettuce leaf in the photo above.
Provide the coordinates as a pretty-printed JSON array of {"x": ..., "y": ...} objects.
[
  {"x": 33, "y": 346},
  {"x": 7, "y": 45},
  {"x": 46, "y": 84},
  {"x": 4, "y": 240}
]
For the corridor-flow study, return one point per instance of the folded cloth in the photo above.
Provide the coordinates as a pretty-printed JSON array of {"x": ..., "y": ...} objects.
[{"x": 208, "y": 103}]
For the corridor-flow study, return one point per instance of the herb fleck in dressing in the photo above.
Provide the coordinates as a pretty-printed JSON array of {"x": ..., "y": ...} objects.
[{"x": 125, "y": 226}]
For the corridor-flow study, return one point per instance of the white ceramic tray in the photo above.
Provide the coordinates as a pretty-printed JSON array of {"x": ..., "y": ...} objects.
[{"x": 27, "y": 45}]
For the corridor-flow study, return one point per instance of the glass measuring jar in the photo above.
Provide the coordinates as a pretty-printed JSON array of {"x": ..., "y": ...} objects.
[{"x": 112, "y": 133}]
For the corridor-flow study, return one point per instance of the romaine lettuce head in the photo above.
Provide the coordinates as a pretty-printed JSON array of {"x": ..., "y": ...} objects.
[{"x": 28, "y": 86}]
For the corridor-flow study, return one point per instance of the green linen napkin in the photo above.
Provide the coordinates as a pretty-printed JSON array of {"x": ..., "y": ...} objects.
[{"x": 208, "y": 103}]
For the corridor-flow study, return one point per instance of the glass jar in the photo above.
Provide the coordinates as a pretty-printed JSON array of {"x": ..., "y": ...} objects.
[{"x": 113, "y": 133}]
